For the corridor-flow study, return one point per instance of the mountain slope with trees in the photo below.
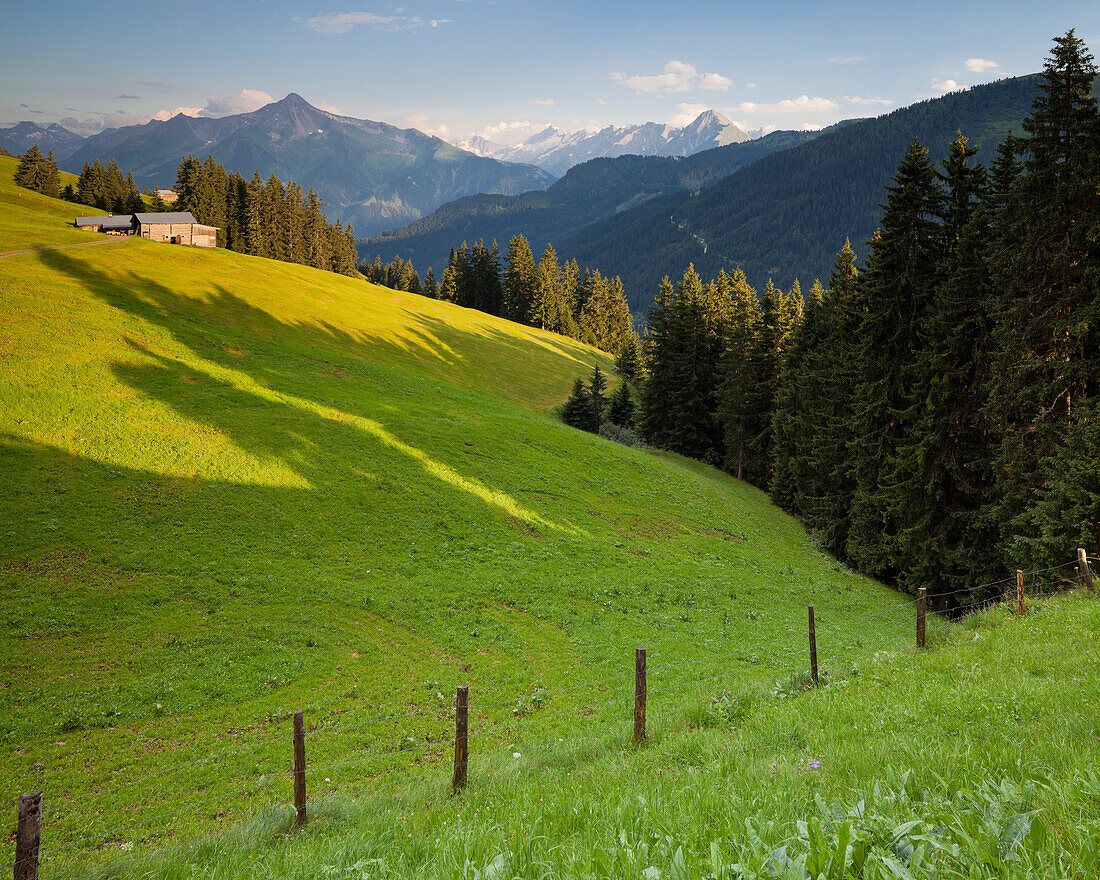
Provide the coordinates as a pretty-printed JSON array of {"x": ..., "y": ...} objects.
[
  {"x": 588, "y": 192},
  {"x": 787, "y": 215},
  {"x": 370, "y": 174},
  {"x": 934, "y": 417}
]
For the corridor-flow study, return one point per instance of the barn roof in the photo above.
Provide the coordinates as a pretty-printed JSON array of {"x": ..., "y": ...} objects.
[
  {"x": 120, "y": 221},
  {"x": 166, "y": 217}
]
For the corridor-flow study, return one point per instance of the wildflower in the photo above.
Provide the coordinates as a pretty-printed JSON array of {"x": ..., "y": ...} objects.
[
  {"x": 515, "y": 754},
  {"x": 815, "y": 765}
]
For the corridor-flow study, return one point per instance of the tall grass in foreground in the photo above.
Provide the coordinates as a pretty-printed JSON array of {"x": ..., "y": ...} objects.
[{"x": 974, "y": 759}]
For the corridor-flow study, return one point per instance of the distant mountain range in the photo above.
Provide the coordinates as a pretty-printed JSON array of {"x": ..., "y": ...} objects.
[
  {"x": 779, "y": 207},
  {"x": 21, "y": 137},
  {"x": 557, "y": 151},
  {"x": 787, "y": 215},
  {"x": 370, "y": 174},
  {"x": 588, "y": 192}
]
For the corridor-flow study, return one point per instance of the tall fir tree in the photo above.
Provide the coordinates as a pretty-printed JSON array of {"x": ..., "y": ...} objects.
[
  {"x": 1047, "y": 267},
  {"x": 597, "y": 401},
  {"x": 941, "y": 478},
  {"x": 520, "y": 278},
  {"x": 620, "y": 407},
  {"x": 737, "y": 379},
  {"x": 898, "y": 287},
  {"x": 656, "y": 421}
]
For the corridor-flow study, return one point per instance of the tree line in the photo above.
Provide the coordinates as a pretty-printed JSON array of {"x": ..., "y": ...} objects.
[
  {"x": 554, "y": 296},
  {"x": 39, "y": 173},
  {"x": 100, "y": 186},
  {"x": 264, "y": 218},
  {"x": 934, "y": 418}
]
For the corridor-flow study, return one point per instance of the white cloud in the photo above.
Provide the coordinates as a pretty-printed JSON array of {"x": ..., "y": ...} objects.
[
  {"x": 164, "y": 115},
  {"x": 714, "y": 82},
  {"x": 542, "y": 102},
  {"x": 868, "y": 102},
  {"x": 687, "y": 113},
  {"x": 678, "y": 76},
  {"x": 420, "y": 121},
  {"x": 84, "y": 127},
  {"x": 342, "y": 22},
  {"x": 801, "y": 104},
  {"x": 750, "y": 85},
  {"x": 245, "y": 101},
  {"x": 847, "y": 59},
  {"x": 943, "y": 86},
  {"x": 601, "y": 101},
  {"x": 980, "y": 65},
  {"x": 328, "y": 108}
]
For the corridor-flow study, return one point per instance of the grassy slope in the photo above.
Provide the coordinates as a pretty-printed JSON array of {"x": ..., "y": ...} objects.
[
  {"x": 234, "y": 487},
  {"x": 974, "y": 759}
]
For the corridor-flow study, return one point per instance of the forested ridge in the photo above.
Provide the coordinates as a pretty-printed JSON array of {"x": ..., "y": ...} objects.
[
  {"x": 264, "y": 218},
  {"x": 588, "y": 192},
  {"x": 787, "y": 214},
  {"x": 551, "y": 295},
  {"x": 934, "y": 418}
]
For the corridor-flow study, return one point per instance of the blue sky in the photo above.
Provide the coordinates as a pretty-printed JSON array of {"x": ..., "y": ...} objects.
[{"x": 504, "y": 68}]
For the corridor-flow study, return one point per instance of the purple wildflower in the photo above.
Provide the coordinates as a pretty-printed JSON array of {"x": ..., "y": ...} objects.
[{"x": 815, "y": 765}]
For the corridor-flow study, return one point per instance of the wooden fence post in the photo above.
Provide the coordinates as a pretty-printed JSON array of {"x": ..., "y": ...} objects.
[
  {"x": 299, "y": 768},
  {"x": 639, "y": 694},
  {"x": 922, "y": 603},
  {"x": 462, "y": 754},
  {"x": 1083, "y": 569},
  {"x": 813, "y": 647},
  {"x": 28, "y": 835},
  {"x": 1019, "y": 592}
]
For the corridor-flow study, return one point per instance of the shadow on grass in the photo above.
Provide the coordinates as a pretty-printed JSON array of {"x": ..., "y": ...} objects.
[{"x": 319, "y": 439}]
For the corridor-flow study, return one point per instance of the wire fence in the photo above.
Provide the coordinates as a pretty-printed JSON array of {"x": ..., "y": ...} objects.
[{"x": 887, "y": 626}]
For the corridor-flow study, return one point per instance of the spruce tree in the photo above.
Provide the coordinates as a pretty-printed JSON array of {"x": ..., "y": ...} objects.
[
  {"x": 628, "y": 362},
  {"x": 692, "y": 430},
  {"x": 736, "y": 374},
  {"x": 28, "y": 171},
  {"x": 826, "y": 494},
  {"x": 519, "y": 281},
  {"x": 1047, "y": 268},
  {"x": 255, "y": 240},
  {"x": 898, "y": 287},
  {"x": 940, "y": 480},
  {"x": 429, "y": 288},
  {"x": 620, "y": 408},
  {"x": 655, "y": 420},
  {"x": 577, "y": 411},
  {"x": 800, "y": 405},
  {"x": 597, "y": 402},
  {"x": 50, "y": 179}
]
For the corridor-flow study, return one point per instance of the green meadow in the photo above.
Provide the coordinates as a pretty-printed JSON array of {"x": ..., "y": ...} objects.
[{"x": 233, "y": 488}]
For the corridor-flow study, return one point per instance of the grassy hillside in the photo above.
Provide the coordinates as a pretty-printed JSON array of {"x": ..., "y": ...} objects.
[
  {"x": 975, "y": 759},
  {"x": 234, "y": 487}
]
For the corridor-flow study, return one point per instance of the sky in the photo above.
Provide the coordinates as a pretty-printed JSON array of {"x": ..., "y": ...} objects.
[{"x": 504, "y": 69}]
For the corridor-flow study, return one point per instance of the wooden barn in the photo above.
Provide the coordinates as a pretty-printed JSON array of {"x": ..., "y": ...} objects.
[
  {"x": 173, "y": 227},
  {"x": 177, "y": 227},
  {"x": 123, "y": 224}
]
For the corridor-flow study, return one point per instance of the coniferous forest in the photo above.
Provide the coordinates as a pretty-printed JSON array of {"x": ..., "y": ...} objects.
[
  {"x": 551, "y": 295},
  {"x": 264, "y": 218},
  {"x": 933, "y": 417}
]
